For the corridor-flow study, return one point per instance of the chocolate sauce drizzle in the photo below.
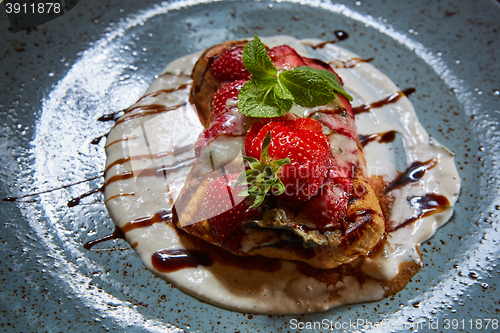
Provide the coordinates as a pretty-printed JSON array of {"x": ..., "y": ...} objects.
[
  {"x": 385, "y": 137},
  {"x": 150, "y": 172},
  {"x": 111, "y": 116},
  {"x": 161, "y": 216},
  {"x": 428, "y": 204},
  {"x": 173, "y": 260},
  {"x": 349, "y": 63},
  {"x": 75, "y": 201},
  {"x": 148, "y": 110},
  {"x": 388, "y": 100},
  {"x": 20, "y": 198},
  {"x": 412, "y": 174},
  {"x": 150, "y": 156},
  {"x": 164, "y": 91},
  {"x": 98, "y": 139},
  {"x": 117, "y": 234},
  {"x": 340, "y": 36},
  {"x": 192, "y": 257}
]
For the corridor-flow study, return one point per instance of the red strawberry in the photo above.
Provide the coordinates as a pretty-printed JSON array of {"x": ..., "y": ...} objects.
[
  {"x": 285, "y": 57},
  {"x": 329, "y": 206},
  {"x": 303, "y": 143},
  {"x": 226, "y": 210},
  {"x": 227, "y": 91},
  {"x": 228, "y": 66},
  {"x": 319, "y": 64},
  {"x": 232, "y": 123}
]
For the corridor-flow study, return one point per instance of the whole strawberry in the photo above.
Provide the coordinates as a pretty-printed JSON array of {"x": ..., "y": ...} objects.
[
  {"x": 300, "y": 141},
  {"x": 228, "y": 66}
]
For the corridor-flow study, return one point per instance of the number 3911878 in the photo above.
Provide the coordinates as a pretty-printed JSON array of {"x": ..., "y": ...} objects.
[{"x": 38, "y": 8}]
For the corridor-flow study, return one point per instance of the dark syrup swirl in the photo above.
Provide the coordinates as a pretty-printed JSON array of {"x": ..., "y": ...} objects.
[
  {"x": 340, "y": 36},
  {"x": 75, "y": 201},
  {"x": 413, "y": 173},
  {"x": 388, "y": 100},
  {"x": 349, "y": 63},
  {"x": 117, "y": 234},
  {"x": 385, "y": 137},
  {"x": 426, "y": 205},
  {"x": 22, "y": 197},
  {"x": 161, "y": 216},
  {"x": 173, "y": 260}
]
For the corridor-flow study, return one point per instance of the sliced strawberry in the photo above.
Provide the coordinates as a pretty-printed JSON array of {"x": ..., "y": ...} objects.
[
  {"x": 232, "y": 122},
  {"x": 319, "y": 64},
  {"x": 328, "y": 208},
  {"x": 285, "y": 57},
  {"x": 228, "y": 66},
  {"x": 303, "y": 143},
  {"x": 232, "y": 211},
  {"x": 345, "y": 103},
  {"x": 227, "y": 91}
]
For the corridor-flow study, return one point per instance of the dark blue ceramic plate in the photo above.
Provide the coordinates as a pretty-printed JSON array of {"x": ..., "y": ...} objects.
[{"x": 58, "y": 78}]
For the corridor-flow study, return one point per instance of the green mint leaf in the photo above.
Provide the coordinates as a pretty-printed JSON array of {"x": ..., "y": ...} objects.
[
  {"x": 307, "y": 87},
  {"x": 282, "y": 92},
  {"x": 331, "y": 78},
  {"x": 257, "y": 61},
  {"x": 283, "y": 96},
  {"x": 257, "y": 99},
  {"x": 284, "y": 104}
]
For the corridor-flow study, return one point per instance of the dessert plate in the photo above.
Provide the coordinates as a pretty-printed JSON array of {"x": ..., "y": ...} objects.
[{"x": 59, "y": 78}]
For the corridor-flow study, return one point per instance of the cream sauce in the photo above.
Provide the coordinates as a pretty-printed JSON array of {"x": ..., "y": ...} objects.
[{"x": 165, "y": 140}]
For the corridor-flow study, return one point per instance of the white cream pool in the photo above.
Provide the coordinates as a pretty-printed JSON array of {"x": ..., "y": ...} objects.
[{"x": 143, "y": 140}]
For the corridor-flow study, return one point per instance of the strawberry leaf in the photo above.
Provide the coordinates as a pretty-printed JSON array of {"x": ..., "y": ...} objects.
[
  {"x": 262, "y": 176},
  {"x": 252, "y": 162},
  {"x": 264, "y": 155},
  {"x": 279, "y": 188}
]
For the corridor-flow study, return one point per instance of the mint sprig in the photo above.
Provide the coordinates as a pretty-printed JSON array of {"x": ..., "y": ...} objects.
[
  {"x": 271, "y": 93},
  {"x": 257, "y": 61},
  {"x": 262, "y": 175}
]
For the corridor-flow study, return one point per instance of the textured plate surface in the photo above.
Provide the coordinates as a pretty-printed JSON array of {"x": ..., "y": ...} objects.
[{"x": 59, "y": 78}]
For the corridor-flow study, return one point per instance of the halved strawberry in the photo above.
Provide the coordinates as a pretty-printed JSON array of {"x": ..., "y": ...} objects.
[
  {"x": 303, "y": 143},
  {"x": 231, "y": 123},
  {"x": 227, "y": 91},
  {"x": 285, "y": 57},
  {"x": 231, "y": 210},
  {"x": 328, "y": 208},
  {"x": 319, "y": 64},
  {"x": 228, "y": 66}
]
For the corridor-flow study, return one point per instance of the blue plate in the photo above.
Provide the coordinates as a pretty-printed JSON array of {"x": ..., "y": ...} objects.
[{"x": 59, "y": 78}]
